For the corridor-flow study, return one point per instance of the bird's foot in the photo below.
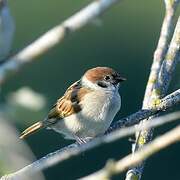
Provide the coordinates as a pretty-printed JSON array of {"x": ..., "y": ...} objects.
[{"x": 81, "y": 141}]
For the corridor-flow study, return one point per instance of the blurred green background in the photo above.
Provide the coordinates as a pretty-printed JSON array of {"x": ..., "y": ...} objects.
[{"x": 125, "y": 40}]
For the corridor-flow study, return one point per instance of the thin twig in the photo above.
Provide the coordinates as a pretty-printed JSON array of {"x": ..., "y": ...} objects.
[
  {"x": 160, "y": 86},
  {"x": 168, "y": 65},
  {"x": 73, "y": 150},
  {"x": 167, "y": 102},
  {"x": 53, "y": 37},
  {"x": 113, "y": 168},
  {"x": 161, "y": 49}
]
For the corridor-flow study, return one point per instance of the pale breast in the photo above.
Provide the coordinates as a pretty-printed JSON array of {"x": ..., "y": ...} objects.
[
  {"x": 98, "y": 111},
  {"x": 97, "y": 105}
]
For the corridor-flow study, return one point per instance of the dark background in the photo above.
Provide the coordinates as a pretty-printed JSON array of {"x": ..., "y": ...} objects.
[{"x": 125, "y": 41}]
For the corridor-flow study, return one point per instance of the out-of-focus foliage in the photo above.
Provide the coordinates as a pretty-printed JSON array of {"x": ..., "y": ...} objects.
[
  {"x": 25, "y": 104},
  {"x": 14, "y": 154}
]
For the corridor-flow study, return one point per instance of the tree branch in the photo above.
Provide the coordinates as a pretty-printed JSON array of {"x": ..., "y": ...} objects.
[
  {"x": 57, "y": 34},
  {"x": 168, "y": 66},
  {"x": 159, "y": 88},
  {"x": 73, "y": 150},
  {"x": 161, "y": 49},
  {"x": 53, "y": 37},
  {"x": 167, "y": 102},
  {"x": 113, "y": 168}
]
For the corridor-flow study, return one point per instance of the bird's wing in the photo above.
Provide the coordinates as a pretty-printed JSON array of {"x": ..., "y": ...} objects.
[
  {"x": 65, "y": 106},
  {"x": 68, "y": 104}
]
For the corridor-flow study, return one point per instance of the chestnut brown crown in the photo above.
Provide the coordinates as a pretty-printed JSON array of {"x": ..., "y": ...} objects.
[{"x": 104, "y": 76}]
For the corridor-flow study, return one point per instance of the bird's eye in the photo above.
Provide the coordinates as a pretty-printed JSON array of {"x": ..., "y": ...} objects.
[{"x": 107, "y": 77}]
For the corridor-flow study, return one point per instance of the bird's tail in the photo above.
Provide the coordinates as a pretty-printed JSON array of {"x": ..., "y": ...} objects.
[{"x": 32, "y": 129}]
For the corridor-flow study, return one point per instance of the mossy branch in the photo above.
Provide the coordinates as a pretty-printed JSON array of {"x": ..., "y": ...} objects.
[
  {"x": 167, "y": 102},
  {"x": 74, "y": 150},
  {"x": 116, "y": 167},
  {"x": 161, "y": 49},
  {"x": 161, "y": 75}
]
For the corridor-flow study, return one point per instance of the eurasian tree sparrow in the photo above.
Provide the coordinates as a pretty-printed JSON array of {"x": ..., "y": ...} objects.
[{"x": 87, "y": 108}]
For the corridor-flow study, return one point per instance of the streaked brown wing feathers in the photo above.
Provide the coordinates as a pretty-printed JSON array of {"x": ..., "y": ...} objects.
[{"x": 69, "y": 103}]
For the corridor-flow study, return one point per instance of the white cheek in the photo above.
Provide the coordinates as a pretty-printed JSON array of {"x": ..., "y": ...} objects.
[
  {"x": 89, "y": 84},
  {"x": 94, "y": 86}
]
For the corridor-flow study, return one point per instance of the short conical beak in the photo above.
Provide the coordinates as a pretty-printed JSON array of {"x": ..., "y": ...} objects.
[
  {"x": 121, "y": 79},
  {"x": 118, "y": 79}
]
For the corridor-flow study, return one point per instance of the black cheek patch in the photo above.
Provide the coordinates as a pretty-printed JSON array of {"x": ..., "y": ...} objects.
[{"x": 102, "y": 84}]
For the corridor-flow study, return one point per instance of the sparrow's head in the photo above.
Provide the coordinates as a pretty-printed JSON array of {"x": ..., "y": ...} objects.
[{"x": 102, "y": 78}]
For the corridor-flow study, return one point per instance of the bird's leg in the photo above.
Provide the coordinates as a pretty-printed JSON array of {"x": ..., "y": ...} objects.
[{"x": 80, "y": 141}]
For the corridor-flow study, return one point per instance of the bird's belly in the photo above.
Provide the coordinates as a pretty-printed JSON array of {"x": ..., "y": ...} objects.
[{"x": 93, "y": 120}]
